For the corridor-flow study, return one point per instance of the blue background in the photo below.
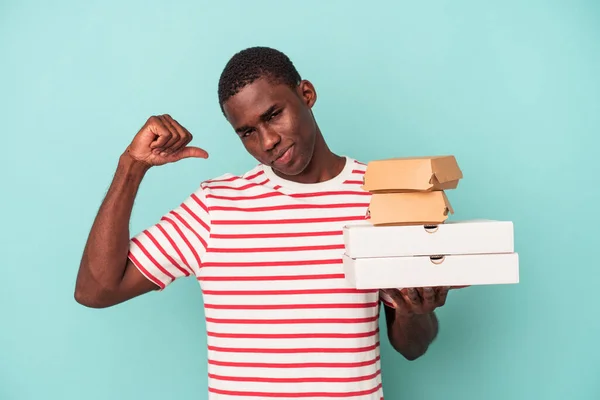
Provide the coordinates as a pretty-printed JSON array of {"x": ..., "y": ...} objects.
[{"x": 511, "y": 88}]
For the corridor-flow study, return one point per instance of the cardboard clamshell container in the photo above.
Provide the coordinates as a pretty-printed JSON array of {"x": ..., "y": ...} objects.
[
  {"x": 412, "y": 174},
  {"x": 412, "y": 208}
]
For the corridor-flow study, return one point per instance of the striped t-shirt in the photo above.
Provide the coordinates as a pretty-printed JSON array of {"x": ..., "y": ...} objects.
[{"x": 281, "y": 320}]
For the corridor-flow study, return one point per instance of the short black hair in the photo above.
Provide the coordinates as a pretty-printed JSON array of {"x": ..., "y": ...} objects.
[{"x": 252, "y": 63}]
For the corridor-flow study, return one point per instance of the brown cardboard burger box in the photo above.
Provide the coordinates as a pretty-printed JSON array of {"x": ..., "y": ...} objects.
[
  {"x": 411, "y": 191},
  {"x": 412, "y": 174},
  {"x": 416, "y": 208}
]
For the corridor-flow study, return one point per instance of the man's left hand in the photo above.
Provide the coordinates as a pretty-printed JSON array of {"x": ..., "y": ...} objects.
[{"x": 411, "y": 301}]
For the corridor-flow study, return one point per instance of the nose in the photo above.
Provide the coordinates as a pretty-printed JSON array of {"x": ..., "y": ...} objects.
[{"x": 269, "y": 139}]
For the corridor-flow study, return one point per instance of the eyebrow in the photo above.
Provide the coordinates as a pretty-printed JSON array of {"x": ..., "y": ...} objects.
[
  {"x": 263, "y": 117},
  {"x": 270, "y": 111}
]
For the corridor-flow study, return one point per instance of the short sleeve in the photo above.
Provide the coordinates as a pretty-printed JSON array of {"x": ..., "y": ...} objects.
[
  {"x": 386, "y": 299},
  {"x": 175, "y": 245}
]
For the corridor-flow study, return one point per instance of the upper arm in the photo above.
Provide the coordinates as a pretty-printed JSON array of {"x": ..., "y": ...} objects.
[
  {"x": 133, "y": 284},
  {"x": 170, "y": 249},
  {"x": 157, "y": 256}
]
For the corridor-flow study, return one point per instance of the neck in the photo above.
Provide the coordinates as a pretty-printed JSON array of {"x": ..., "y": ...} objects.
[{"x": 323, "y": 166}]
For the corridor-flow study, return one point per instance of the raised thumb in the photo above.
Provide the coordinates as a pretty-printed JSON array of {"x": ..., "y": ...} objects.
[{"x": 191, "y": 152}]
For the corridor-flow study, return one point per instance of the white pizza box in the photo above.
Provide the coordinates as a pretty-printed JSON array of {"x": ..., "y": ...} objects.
[
  {"x": 363, "y": 239},
  {"x": 429, "y": 271}
]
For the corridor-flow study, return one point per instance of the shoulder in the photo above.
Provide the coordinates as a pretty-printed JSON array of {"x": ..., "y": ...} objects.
[
  {"x": 359, "y": 165},
  {"x": 249, "y": 175},
  {"x": 252, "y": 177},
  {"x": 358, "y": 170},
  {"x": 228, "y": 186}
]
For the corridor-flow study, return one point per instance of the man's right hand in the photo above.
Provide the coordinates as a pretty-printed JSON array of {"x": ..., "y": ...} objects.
[
  {"x": 106, "y": 275},
  {"x": 163, "y": 140}
]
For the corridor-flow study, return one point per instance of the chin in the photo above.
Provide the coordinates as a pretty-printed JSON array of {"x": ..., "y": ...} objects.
[
  {"x": 289, "y": 170},
  {"x": 295, "y": 168}
]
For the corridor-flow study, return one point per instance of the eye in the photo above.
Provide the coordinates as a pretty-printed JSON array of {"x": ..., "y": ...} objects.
[
  {"x": 247, "y": 133},
  {"x": 274, "y": 114}
]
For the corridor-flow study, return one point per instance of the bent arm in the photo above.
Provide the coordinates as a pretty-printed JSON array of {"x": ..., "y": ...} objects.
[{"x": 106, "y": 276}]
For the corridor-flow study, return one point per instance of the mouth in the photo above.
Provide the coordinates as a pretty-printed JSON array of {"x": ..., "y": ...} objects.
[{"x": 284, "y": 157}]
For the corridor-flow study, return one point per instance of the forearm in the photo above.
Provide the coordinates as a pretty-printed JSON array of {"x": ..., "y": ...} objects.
[
  {"x": 105, "y": 255},
  {"x": 412, "y": 335}
]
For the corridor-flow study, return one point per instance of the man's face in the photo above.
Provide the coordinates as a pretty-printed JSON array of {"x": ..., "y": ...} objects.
[{"x": 275, "y": 123}]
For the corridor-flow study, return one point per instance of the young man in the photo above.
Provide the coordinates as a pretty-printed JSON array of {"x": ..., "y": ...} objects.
[{"x": 265, "y": 247}]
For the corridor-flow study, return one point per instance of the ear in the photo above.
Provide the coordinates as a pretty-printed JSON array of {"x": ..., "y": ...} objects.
[{"x": 307, "y": 93}]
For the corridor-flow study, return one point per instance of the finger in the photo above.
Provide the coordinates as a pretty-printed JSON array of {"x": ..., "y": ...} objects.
[
  {"x": 168, "y": 147},
  {"x": 428, "y": 295},
  {"x": 183, "y": 128},
  {"x": 395, "y": 297},
  {"x": 163, "y": 133},
  {"x": 412, "y": 304},
  {"x": 400, "y": 305},
  {"x": 179, "y": 144},
  {"x": 421, "y": 292},
  {"x": 190, "y": 152},
  {"x": 184, "y": 136},
  {"x": 441, "y": 295},
  {"x": 176, "y": 125},
  {"x": 411, "y": 295}
]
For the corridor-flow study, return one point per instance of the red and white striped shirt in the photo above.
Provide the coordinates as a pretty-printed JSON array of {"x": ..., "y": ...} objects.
[{"x": 281, "y": 320}]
